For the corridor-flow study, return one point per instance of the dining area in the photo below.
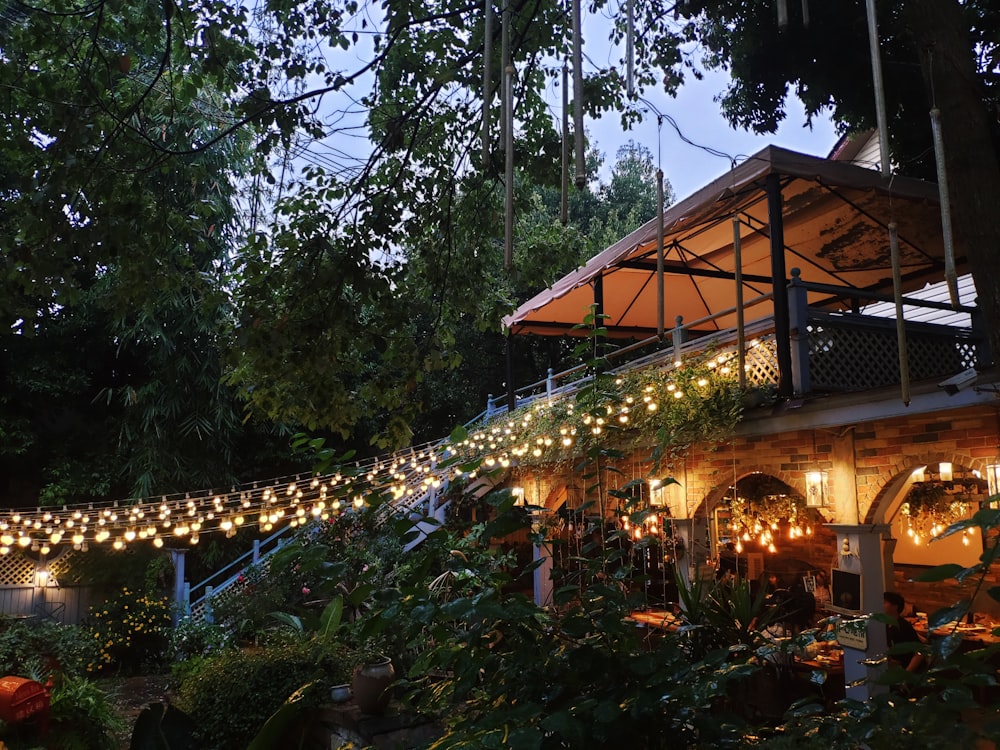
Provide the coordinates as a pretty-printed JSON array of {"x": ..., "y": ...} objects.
[{"x": 820, "y": 656}]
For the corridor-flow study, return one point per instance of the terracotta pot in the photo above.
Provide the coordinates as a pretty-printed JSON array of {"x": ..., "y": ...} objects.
[{"x": 370, "y": 685}]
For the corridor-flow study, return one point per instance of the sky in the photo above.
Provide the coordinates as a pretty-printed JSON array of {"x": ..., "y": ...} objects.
[{"x": 689, "y": 168}]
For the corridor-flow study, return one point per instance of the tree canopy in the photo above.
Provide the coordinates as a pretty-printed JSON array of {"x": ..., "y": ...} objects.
[{"x": 311, "y": 178}]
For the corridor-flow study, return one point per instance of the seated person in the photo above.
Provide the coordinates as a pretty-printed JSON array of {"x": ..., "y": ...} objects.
[
  {"x": 724, "y": 576},
  {"x": 773, "y": 584},
  {"x": 822, "y": 591},
  {"x": 901, "y": 631}
]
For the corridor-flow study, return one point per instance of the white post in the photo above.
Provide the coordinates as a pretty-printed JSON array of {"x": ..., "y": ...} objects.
[
  {"x": 860, "y": 550},
  {"x": 180, "y": 598}
]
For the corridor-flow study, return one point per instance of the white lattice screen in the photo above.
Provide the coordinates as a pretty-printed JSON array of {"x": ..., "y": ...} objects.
[
  {"x": 762, "y": 362},
  {"x": 60, "y": 564},
  {"x": 16, "y": 570}
]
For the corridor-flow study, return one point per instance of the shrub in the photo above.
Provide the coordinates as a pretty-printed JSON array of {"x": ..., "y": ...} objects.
[
  {"x": 83, "y": 717},
  {"x": 131, "y": 630},
  {"x": 191, "y": 638},
  {"x": 232, "y": 694},
  {"x": 44, "y": 647},
  {"x": 244, "y": 608}
]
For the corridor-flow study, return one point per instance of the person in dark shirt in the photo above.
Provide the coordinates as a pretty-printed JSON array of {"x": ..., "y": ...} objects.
[{"x": 901, "y": 631}]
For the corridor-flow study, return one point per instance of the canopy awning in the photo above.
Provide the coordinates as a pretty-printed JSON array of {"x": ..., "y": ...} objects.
[{"x": 835, "y": 218}]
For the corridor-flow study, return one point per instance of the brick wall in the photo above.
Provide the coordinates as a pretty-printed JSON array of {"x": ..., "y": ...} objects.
[{"x": 873, "y": 455}]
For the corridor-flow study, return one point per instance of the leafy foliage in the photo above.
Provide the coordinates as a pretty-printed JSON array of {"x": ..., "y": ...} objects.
[
  {"x": 46, "y": 648},
  {"x": 193, "y": 638},
  {"x": 232, "y": 694},
  {"x": 130, "y": 629},
  {"x": 83, "y": 716}
]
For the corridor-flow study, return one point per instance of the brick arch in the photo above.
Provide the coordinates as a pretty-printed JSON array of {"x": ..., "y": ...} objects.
[
  {"x": 892, "y": 484},
  {"x": 708, "y": 503}
]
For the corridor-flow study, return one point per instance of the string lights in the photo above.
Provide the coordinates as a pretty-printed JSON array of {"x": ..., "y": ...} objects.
[
  {"x": 758, "y": 509},
  {"x": 542, "y": 432},
  {"x": 938, "y": 497}
]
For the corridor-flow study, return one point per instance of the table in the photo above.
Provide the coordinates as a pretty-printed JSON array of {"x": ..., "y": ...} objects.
[
  {"x": 976, "y": 636},
  {"x": 832, "y": 689}
]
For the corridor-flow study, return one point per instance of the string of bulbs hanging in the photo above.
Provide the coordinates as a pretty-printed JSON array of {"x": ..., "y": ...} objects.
[{"x": 395, "y": 482}]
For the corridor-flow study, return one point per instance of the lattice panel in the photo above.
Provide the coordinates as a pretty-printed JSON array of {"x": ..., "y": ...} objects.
[
  {"x": 16, "y": 570},
  {"x": 59, "y": 566},
  {"x": 762, "y": 362},
  {"x": 854, "y": 359},
  {"x": 198, "y": 611}
]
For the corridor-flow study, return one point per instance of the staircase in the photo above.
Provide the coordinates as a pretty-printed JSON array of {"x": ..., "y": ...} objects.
[
  {"x": 417, "y": 493},
  {"x": 197, "y": 601}
]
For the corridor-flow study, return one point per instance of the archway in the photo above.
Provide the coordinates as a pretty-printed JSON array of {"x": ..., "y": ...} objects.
[
  {"x": 920, "y": 502},
  {"x": 763, "y": 523}
]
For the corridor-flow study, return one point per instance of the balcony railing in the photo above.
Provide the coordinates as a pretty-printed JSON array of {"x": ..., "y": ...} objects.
[{"x": 832, "y": 352}]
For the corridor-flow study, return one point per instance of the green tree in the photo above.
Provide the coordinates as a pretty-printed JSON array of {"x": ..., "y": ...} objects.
[
  {"x": 114, "y": 263},
  {"x": 936, "y": 53}
]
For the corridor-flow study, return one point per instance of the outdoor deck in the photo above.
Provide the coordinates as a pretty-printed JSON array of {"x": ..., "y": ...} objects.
[{"x": 830, "y": 350}]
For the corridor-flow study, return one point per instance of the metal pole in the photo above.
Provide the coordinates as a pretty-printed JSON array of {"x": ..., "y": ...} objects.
[
  {"x": 504, "y": 49},
  {"x": 630, "y": 49},
  {"x": 509, "y": 356},
  {"x": 782, "y": 14},
  {"x": 782, "y": 326},
  {"x": 880, "y": 115},
  {"x": 741, "y": 354},
  {"x": 950, "y": 275},
  {"x": 883, "y": 138},
  {"x": 564, "y": 200},
  {"x": 180, "y": 601},
  {"x": 581, "y": 164},
  {"x": 508, "y": 219},
  {"x": 487, "y": 79},
  {"x": 659, "y": 254}
]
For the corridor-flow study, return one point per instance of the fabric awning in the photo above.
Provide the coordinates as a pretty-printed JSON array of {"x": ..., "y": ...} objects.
[{"x": 835, "y": 218}]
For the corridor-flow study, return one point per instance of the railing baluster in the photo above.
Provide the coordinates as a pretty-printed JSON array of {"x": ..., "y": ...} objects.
[
  {"x": 798, "y": 309},
  {"x": 678, "y": 338}
]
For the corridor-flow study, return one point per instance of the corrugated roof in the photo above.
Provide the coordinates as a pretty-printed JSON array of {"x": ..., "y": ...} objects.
[{"x": 936, "y": 292}]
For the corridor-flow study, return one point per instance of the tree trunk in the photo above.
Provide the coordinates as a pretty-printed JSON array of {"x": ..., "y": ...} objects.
[{"x": 941, "y": 33}]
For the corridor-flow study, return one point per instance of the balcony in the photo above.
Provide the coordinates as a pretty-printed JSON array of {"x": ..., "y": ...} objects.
[
  {"x": 832, "y": 352},
  {"x": 715, "y": 263}
]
